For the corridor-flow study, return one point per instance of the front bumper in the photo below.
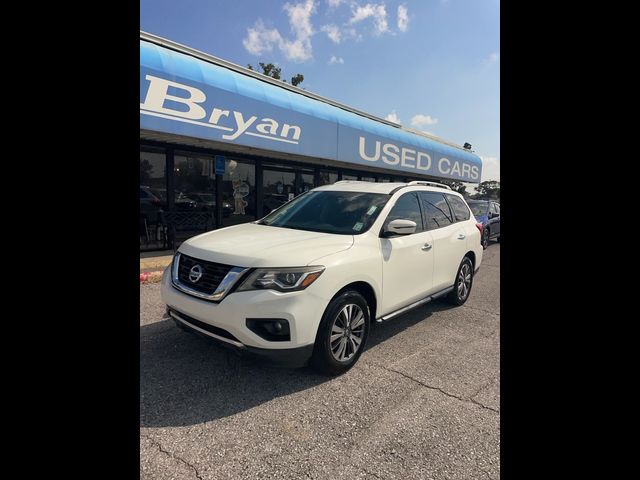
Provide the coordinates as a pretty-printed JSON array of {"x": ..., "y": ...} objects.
[
  {"x": 303, "y": 311},
  {"x": 290, "y": 357}
]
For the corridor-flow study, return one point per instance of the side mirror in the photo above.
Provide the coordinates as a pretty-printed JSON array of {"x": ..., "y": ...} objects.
[{"x": 400, "y": 227}]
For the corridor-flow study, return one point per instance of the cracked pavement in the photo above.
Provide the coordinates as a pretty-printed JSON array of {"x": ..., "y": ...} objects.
[{"x": 423, "y": 402}]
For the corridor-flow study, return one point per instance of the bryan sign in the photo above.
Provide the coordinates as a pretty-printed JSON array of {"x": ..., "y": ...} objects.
[
  {"x": 211, "y": 112},
  {"x": 187, "y": 107}
]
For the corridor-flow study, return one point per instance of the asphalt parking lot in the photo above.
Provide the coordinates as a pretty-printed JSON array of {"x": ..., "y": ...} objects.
[{"x": 423, "y": 402}]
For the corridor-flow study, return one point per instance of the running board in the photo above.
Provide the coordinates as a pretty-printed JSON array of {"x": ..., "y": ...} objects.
[{"x": 413, "y": 305}]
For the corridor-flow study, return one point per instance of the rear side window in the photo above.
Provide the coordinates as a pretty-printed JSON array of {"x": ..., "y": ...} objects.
[
  {"x": 460, "y": 209},
  {"x": 436, "y": 210},
  {"x": 407, "y": 208},
  {"x": 492, "y": 208},
  {"x": 497, "y": 207}
]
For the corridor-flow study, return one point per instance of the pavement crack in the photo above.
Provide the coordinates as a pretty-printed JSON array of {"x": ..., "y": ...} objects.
[
  {"x": 450, "y": 395},
  {"x": 173, "y": 455}
]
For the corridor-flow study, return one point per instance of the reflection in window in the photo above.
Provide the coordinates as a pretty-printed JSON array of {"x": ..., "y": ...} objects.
[
  {"x": 153, "y": 196},
  {"x": 238, "y": 192},
  {"x": 279, "y": 188},
  {"x": 328, "y": 178},
  {"x": 436, "y": 210},
  {"x": 307, "y": 182},
  {"x": 406, "y": 208},
  {"x": 195, "y": 185},
  {"x": 459, "y": 208}
]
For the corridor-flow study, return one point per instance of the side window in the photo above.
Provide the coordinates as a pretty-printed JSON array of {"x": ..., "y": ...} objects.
[
  {"x": 406, "y": 208},
  {"x": 492, "y": 208},
  {"x": 497, "y": 206},
  {"x": 436, "y": 209},
  {"x": 460, "y": 209}
]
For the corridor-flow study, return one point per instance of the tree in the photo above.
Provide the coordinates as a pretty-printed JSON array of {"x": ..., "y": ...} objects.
[
  {"x": 456, "y": 186},
  {"x": 489, "y": 189},
  {"x": 270, "y": 70},
  {"x": 297, "y": 79}
]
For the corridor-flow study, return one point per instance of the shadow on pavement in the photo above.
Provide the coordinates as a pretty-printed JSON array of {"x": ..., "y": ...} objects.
[{"x": 186, "y": 379}]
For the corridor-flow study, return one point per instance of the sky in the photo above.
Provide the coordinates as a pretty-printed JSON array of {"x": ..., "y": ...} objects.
[{"x": 431, "y": 65}]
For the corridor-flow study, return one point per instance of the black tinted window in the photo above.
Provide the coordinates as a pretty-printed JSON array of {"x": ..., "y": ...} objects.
[
  {"x": 479, "y": 208},
  {"x": 436, "y": 210},
  {"x": 459, "y": 208},
  {"x": 406, "y": 208},
  {"x": 329, "y": 211}
]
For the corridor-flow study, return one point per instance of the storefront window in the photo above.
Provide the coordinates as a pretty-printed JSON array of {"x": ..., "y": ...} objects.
[
  {"x": 349, "y": 177},
  {"x": 279, "y": 187},
  {"x": 306, "y": 182},
  {"x": 238, "y": 192},
  {"x": 153, "y": 196},
  {"x": 368, "y": 179},
  {"x": 328, "y": 178},
  {"x": 195, "y": 183}
]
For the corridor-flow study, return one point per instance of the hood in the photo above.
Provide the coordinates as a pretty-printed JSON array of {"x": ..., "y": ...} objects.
[{"x": 253, "y": 245}]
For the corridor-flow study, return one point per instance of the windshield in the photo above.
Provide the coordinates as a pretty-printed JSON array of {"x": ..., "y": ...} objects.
[
  {"x": 346, "y": 213},
  {"x": 479, "y": 208}
]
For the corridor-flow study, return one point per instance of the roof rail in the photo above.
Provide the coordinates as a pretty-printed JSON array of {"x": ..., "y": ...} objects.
[{"x": 429, "y": 184}]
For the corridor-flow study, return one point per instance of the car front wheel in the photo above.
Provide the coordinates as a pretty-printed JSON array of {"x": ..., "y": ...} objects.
[{"x": 342, "y": 334}]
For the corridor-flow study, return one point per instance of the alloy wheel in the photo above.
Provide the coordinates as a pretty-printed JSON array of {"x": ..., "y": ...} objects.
[
  {"x": 347, "y": 332},
  {"x": 464, "y": 281}
]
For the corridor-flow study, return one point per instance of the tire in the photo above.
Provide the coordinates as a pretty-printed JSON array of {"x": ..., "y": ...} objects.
[
  {"x": 460, "y": 294},
  {"x": 337, "y": 356},
  {"x": 485, "y": 238}
]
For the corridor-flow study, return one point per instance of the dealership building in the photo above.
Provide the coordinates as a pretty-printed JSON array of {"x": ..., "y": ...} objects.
[{"x": 221, "y": 144}]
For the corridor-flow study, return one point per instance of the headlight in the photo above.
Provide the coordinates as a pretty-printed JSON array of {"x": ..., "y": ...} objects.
[{"x": 281, "y": 279}]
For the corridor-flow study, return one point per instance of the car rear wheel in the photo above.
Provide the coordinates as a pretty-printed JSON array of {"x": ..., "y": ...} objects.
[
  {"x": 485, "y": 238},
  {"x": 463, "y": 283},
  {"x": 342, "y": 334}
]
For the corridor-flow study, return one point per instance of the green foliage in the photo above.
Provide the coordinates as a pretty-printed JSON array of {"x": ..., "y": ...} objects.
[
  {"x": 270, "y": 70},
  {"x": 456, "y": 186},
  {"x": 488, "y": 190},
  {"x": 297, "y": 79}
]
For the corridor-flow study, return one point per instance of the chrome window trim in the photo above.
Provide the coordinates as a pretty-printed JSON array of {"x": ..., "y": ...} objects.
[{"x": 221, "y": 291}]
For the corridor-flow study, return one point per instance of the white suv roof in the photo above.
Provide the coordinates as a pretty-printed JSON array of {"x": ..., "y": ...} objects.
[{"x": 380, "y": 187}]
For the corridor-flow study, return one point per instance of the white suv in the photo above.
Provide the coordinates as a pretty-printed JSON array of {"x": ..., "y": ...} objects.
[{"x": 305, "y": 282}]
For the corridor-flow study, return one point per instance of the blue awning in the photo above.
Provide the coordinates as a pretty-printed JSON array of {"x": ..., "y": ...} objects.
[{"x": 184, "y": 95}]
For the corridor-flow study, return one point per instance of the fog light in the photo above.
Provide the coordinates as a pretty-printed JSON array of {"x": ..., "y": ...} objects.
[{"x": 271, "y": 329}]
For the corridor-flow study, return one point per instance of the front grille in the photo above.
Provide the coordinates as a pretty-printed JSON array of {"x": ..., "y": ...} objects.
[{"x": 212, "y": 274}]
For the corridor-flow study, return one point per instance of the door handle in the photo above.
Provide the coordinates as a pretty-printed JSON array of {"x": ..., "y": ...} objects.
[
  {"x": 461, "y": 236},
  {"x": 426, "y": 246}
]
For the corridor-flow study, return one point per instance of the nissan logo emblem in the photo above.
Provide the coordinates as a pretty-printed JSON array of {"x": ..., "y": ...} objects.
[{"x": 195, "y": 273}]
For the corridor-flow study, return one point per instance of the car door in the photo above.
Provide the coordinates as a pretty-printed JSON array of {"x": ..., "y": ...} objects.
[
  {"x": 449, "y": 239},
  {"x": 494, "y": 221},
  {"x": 407, "y": 260}
]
